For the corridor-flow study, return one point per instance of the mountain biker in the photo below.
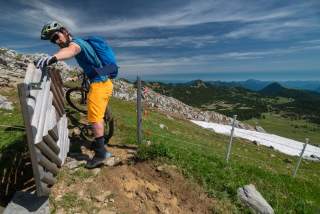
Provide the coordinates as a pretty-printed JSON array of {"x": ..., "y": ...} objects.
[{"x": 100, "y": 85}]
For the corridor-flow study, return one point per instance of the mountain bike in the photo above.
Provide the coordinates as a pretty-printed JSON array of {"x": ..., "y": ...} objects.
[{"x": 77, "y": 98}]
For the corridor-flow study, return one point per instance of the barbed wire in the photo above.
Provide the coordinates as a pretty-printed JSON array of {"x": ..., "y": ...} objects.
[{"x": 265, "y": 163}]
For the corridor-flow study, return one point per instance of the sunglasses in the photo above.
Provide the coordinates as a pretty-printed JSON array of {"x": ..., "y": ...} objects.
[{"x": 54, "y": 38}]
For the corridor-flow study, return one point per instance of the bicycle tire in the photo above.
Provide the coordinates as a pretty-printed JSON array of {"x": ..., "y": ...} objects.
[
  {"x": 87, "y": 133},
  {"x": 70, "y": 100}
]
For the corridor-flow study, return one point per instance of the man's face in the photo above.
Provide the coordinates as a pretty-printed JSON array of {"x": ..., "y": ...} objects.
[{"x": 60, "y": 39}]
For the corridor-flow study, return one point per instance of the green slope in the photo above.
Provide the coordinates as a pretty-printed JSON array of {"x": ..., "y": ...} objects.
[{"x": 200, "y": 153}]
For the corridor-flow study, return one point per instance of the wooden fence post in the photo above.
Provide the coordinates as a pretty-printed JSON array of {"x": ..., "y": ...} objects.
[
  {"x": 139, "y": 111},
  {"x": 300, "y": 158},
  {"x": 231, "y": 138}
]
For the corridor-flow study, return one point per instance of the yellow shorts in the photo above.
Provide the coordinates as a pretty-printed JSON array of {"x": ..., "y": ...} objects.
[{"x": 98, "y": 99}]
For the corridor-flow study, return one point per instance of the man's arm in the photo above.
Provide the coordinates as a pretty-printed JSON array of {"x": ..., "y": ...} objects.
[{"x": 66, "y": 53}]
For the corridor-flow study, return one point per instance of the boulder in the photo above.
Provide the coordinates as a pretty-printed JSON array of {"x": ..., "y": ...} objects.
[
  {"x": 254, "y": 200},
  {"x": 260, "y": 129},
  {"x": 5, "y": 104}
]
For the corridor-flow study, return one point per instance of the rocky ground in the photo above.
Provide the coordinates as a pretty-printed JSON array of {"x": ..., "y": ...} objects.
[
  {"x": 127, "y": 186},
  {"x": 13, "y": 67}
]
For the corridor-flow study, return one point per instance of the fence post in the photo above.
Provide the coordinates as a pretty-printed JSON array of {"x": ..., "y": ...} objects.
[
  {"x": 231, "y": 137},
  {"x": 139, "y": 111},
  {"x": 300, "y": 158}
]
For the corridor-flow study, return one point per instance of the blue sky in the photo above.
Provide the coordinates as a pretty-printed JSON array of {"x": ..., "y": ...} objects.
[{"x": 182, "y": 40}]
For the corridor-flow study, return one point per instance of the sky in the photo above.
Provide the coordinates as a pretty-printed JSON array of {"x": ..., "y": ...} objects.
[{"x": 174, "y": 40}]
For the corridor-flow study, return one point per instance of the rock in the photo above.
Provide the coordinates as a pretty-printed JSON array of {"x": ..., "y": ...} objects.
[
  {"x": 102, "y": 197},
  {"x": 286, "y": 160},
  {"x": 111, "y": 200},
  {"x": 95, "y": 171},
  {"x": 131, "y": 151},
  {"x": 162, "y": 126},
  {"x": 74, "y": 164},
  {"x": 169, "y": 117},
  {"x": 312, "y": 156},
  {"x": 256, "y": 143},
  {"x": 254, "y": 200},
  {"x": 272, "y": 155},
  {"x": 76, "y": 131},
  {"x": 113, "y": 161},
  {"x": 159, "y": 168},
  {"x": 107, "y": 212},
  {"x": 5, "y": 104},
  {"x": 25, "y": 202},
  {"x": 260, "y": 129}
]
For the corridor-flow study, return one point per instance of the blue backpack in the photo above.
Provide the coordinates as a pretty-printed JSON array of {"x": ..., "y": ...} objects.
[{"x": 105, "y": 55}]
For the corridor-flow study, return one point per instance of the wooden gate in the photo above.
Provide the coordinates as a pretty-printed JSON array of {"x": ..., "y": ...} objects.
[{"x": 42, "y": 102}]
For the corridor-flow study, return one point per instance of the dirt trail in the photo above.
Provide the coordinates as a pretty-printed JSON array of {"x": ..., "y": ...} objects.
[{"x": 144, "y": 187}]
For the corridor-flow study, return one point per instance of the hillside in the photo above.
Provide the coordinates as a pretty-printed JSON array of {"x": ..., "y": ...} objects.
[
  {"x": 199, "y": 153},
  {"x": 229, "y": 100},
  {"x": 178, "y": 164},
  {"x": 257, "y": 85},
  {"x": 212, "y": 97}
]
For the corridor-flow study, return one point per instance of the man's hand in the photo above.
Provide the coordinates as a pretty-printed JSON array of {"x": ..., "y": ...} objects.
[{"x": 45, "y": 61}]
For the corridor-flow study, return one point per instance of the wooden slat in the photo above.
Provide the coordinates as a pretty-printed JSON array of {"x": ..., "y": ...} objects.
[
  {"x": 45, "y": 189},
  {"x": 45, "y": 149},
  {"x": 57, "y": 107},
  {"x": 54, "y": 133},
  {"x": 22, "y": 89},
  {"x": 58, "y": 99},
  {"x": 48, "y": 178},
  {"x": 47, "y": 164},
  {"x": 52, "y": 144},
  {"x": 56, "y": 84}
]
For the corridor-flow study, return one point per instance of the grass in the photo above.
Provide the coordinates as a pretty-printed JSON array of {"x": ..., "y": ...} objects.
[
  {"x": 294, "y": 129},
  {"x": 11, "y": 123},
  {"x": 200, "y": 154},
  {"x": 73, "y": 204}
]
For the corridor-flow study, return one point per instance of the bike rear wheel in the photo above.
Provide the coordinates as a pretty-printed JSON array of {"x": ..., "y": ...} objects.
[
  {"x": 77, "y": 99},
  {"x": 87, "y": 131}
]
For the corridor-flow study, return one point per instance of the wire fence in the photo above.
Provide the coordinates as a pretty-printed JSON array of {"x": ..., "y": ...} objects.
[{"x": 228, "y": 151}]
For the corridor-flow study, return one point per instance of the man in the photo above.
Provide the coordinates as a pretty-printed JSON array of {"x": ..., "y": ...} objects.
[{"x": 100, "y": 85}]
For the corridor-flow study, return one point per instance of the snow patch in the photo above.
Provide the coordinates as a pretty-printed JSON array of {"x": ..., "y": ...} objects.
[{"x": 282, "y": 144}]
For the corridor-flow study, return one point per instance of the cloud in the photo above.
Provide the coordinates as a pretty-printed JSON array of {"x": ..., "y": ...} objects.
[
  {"x": 143, "y": 63},
  {"x": 274, "y": 30},
  {"x": 192, "y": 13},
  {"x": 184, "y": 41}
]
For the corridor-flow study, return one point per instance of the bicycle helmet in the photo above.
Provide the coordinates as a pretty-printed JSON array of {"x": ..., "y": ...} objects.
[{"x": 49, "y": 29}]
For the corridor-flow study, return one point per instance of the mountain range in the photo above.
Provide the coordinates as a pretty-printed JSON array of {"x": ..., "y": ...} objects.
[
  {"x": 257, "y": 85},
  {"x": 231, "y": 98}
]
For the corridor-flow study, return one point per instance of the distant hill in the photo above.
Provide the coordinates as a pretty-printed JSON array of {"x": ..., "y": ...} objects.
[
  {"x": 232, "y": 98},
  {"x": 274, "y": 89},
  {"x": 257, "y": 85}
]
